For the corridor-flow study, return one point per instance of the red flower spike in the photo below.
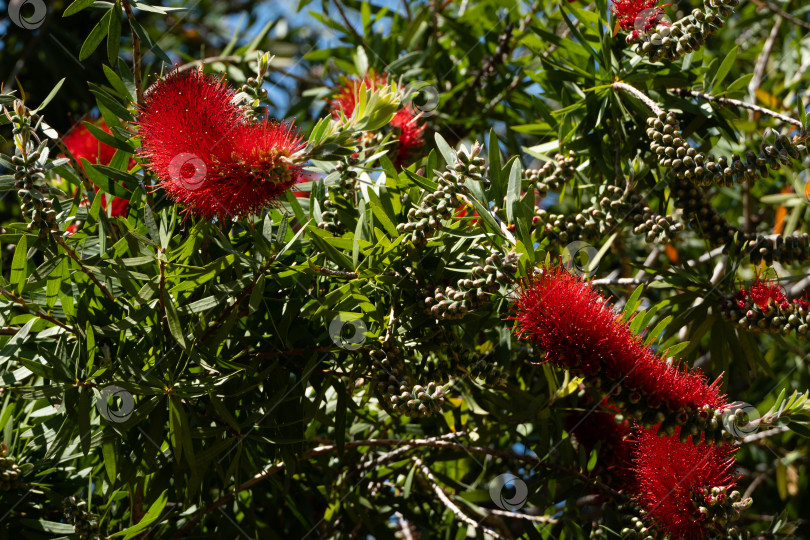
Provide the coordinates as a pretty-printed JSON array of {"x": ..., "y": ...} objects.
[
  {"x": 409, "y": 134},
  {"x": 640, "y": 16},
  {"x": 672, "y": 477},
  {"x": 763, "y": 292},
  {"x": 571, "y": 322},
  {"x": 208, "y": 153}
]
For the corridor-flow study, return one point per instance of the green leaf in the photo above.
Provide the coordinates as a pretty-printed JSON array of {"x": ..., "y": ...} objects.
[
  {"x": 106, "y": 138},
  {"x": 495, "y": 166},
  {"x": 725, "y": 67},
  {"x": 96, "y": 36},
  {"x": 659, "y": 328},
  {"x": 110, "y": 458},
  {"x": 513, "y": 192},
  {"x": 76, "y": 7},
  {"x": 151, "y": 516},
  {"x": 114, "y": 33},
  {"x": 175, "y": 327},
  {"x": 256, "y": 295},
  {"x": 381, "y": 213},
  {"x": 51, "y": 95},
  {"x": 739, "y": 84},
  {"x": 800, "y": 429},
  {"x": 447, "y": 153},
  {"x": 19, "y": 265},
  {"x": 632, "y": 303},
  {"x": 42, "y": 525},
  {"x": 151, "y": 224}
]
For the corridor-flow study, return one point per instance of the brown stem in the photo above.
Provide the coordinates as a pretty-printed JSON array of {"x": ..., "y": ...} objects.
[
  {"x": 136, "y": 52},
  {"x": 430, "y": 481},
  {"x": 32, "y": 308},
  {"x": 351, "y": 29},
  {"x": 653, "y": 106},
  {"x": 737, "y": 103}
]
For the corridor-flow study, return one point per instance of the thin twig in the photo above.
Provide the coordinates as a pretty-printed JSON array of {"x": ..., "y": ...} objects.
[
  {"x": 34, "y": 310},
  {"x": 653, "y": 106},
  {"x": 434, "y": 485},
  {"x": 784, "y": 14},
  {"x": 762, "y": 59},
  {"x": 225, "y": 314},
  {"x": 136, "y": 51},
  {"x": 626, "y": 282},
  {"x": 72, "y": 254},
  {"x": 737, "y": 103},
  {"x": 334, "y": 273},
  {"x": 351, "y": 29},
  {"x": 520, "y": 515}
]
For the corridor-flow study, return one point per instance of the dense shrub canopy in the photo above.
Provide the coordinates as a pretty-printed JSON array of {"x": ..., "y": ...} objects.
[{"x": 400, "y": 269}]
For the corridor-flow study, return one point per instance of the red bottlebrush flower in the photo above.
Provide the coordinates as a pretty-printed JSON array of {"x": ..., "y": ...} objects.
[
  {"x": 765, "y": 292},
  {"x": 640, "y": 16},
  {"x": 571, "y": 322},
  {"x": 208, "y": 153},
  {"x": 82, "y": 144},
  {"x": 409, "y": 134},
  {"x": 674, "y": 480}
]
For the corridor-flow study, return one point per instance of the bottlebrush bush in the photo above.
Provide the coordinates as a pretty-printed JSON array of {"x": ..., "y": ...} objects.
[{"x": 404, "y": 270}]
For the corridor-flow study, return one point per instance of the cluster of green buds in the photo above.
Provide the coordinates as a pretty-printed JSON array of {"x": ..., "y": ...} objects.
[
  {"x": 629, "y": 519},
  {"x": 777, "y": 317},
  {"x": 85, "y": 523},
  {"x": 553, "y": 174},
  {"x": 485, "y": 279},
  {"x": 719, "y": 232},
  {"x": 10, "y": 473},
  {"x": 252, "y": 92},
  {"x": 414, "y": 400},
  {"x": 687, "y": 34},
  {"x": 418, "y": 400},
  {"x": 717, "y": 508},
  {"x": 657, "y": 228},
  {"x": 330, "y": 222},
  {"x": 29, "y": 171},
  {"x": 560, "y": 229},
  {"x": 675, "y": 152},
  {"x": 440, "y": 204}
]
